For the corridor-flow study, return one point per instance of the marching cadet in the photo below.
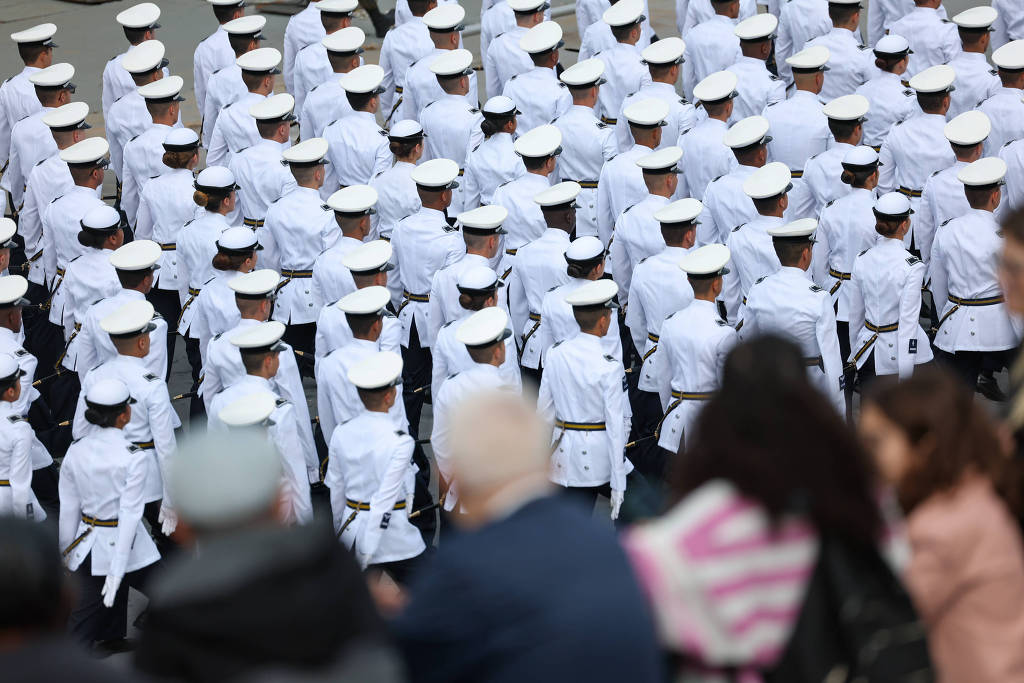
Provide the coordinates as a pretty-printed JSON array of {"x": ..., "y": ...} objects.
[
  {"x": 933, "y": 39},
  {"x": 588, "y": 410},
  {"x": 304, "y": 28},
  {"x": 636, "y": 234},
  {"x": 236, "y": 128},
  {"x": 423, "y": 243},
  {"x": 103, "y": 486},
  {"x": 139, "y": 23},
  {"x": 799, "y": 22},
  {"x": 587, "y": 144},
  {"x": 539, "y": 150},
  {"x": 450, "y": 124},
  {"x": 196, "y": 246},
  {"x": 482, "y": 233},
  {"x": 537, "y": 269},
  {"x": 17, "y": 94},
  {"x": 261, "y": 177},
  {"x": 297, "y": 230},
  {"x": 883, "y": 298},
  {"x": 143, "y": 154},
  {"x": 403, "y": 45},
  {"x": 692, "y": 349},
  {"x": 420, "y": 88},
  {"x": 48, "y": 180},
  {"x": 326, "y": 101},
  {"x": 891, "y": 101},
  {"x": 599, "y": 37},
  {"x": 943, "y": 196},
  {"x": 750, "y": 246},
  {"x": 584, "y": 264},
  {"x": 758, "y": 87},
  {"x": 136, "y": 264},
  {"x": 370, "y": 474},
  {"x": 19, "y": 447},
  {"x": 260, "y": 347},
  {"x": 479, "y": 288},
  {"x": 1009, "y": 24},
  {"x": 625, "y": 72},
  {"x": 823, "y": 171},
  {"x": 974, "y": 330},
  {"x": 699, "y": 11},
  {"x": 851, "y": 63},
  {"x": 704, "y": 156},
  {"x": 395, "y": 184},
  {"x": 504, "y": 58},
  {"x": 976, "y": 80},
  {"x": 152, "y": 420},
  {"x": 538, "y": 92},
  {"x": 711, "y": 45},
  {"x": 1013, "y": 154},
  {"x": 918, "y": 147},
  {"x": 621, "y": 183},
  {"x": 214, "y": 52},
  {"x": 725, "y": 203},
  {"x": 353, "y": 210},
  {"x": 357, "y": 145},
  {"x": 312, "y": 67},
  {"x": 1005, "y": 108},
  {"x": 225, "y": 84},
  {"x": 663, "y": 59},
  {"x": 31, "y": 140},
  {"x": 493, "y": 161},
  {"x": 164, "y": 208},
  {"x": 13, "y": 289}
]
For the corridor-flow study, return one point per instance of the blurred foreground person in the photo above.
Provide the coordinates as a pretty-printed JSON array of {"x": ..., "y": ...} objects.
[
  {"x": 258, "y": 598},
  {"x": 35, "y": 602},
  {"x": 769, "y": 567},
  {"x": 940, "y": 451},
  {"x": 534, "y": 589}
]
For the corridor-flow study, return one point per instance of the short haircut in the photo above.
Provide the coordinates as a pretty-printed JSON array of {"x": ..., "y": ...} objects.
[
  {"x": 332, "y": 21},
  {"x": 253, "y": 362},
  {"x": 482, "y": 354},
  {"x": 931, "y": 100},
  {"x": 790, "y": 250},
  {"x": 267, "y": 129},
  {"x": 303, "y": 173},
  {"x": 978, "y": 196},
  {"x": 535, "y": 163},
  {"x": 475, "y": 240},
  {"x": 136, "y": 35},
  {"x": 372, "y": 398},
  {"x": 361, "y": 324},
  {"x": 716, "y": 108},
  {"x": 842, "y": 129},
  {"x": 253, "y": 79},
  {"x": 360, "y": 100},
  {"x": 768, "y": 204},
  {"x": 79, "y": 174},
  {"x": 840, "y": 14},
  {"x": 587, "y": 317},
  {"x": 30, "y": 52},
  {"x": 621, "y": 33},
  {"x": 247, "y": 306},
  {"x": 702, "y": 285},
  {"x": 240, "y": 42},
  {"x": 130, "y": 279},
  {"x": 159, "y": 108},
  {"x": 225, "y": 13}
]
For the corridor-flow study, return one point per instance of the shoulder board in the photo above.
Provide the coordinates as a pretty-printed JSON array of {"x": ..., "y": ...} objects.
[
  {"x": 472, "y": 110},
  {"x": 630, "y": 207},
  {"x": 944, "y": 222},
  {"x": 502, "y": 185},
  {"x": 772, "y": 104},
  {"x": 863, "y": 252},
  {"x": 325, "y": 207},
  {"x": 99, "y": 300},
  {"x": 934, "y": 173},
  {"x": 816, "y": 288},
  {"x": 723, "y": 175},
  {"x": 514, "y": 77},
  {"x": 773, "y": 77},
  {"x": 132, "y": 448},
  {"x": 737, "y": 228},
  {"x": 210, "y": 280},
  {"x": 863, "y": 47},
  {"x": 40, "y": 162},
  {"x": 613, "y": 156},
  {"x": 119, "y": 98},
  {"x": 946, "y": 21},
  {"x": 500, "y": 35},
  {"x": 384, "y": 133},
  {"x": 898, "y": 123},
  {"x": 21, "y": 352},
  {"x": 683, "y": 100},
  {"x": 685, "y": 132},
  {"x": 188, "y": 221},
  {"x": 59, "y": 196},
  {"x": 1005, "y": 144},
  {"x": 447, "y": 324},
  {"x": 670, "y": 315},
  {"x": 641, "y": 260},
  {"x": 279, "y": 198},
  {"x": 814, "y": 156},
  {"x": 830, "y": 202},
  {"x": 313, "y": 88},
  {"x": 399, "y": 432},
  {"x": 553, "y": 288},
  {"x": 608, "y": 358},
  {"x": 16, "y": 418},
  {"x": 93, "y": 368},
  {"x": 135, "y": 138},
  {"x": 153, "y": 177},
  {"x": 75, "y": 259},
  {"x": 217, "y": 71},
  {"x": 472, "y": 150},
  {"x": 389, "y": 314},
  {"x": 913, "y": 260},
  {"x": 557, "y": 343},
  {"x": 561, "y": 85},
  {"x": 280, "y": 402},
  {"x": 908, "y": 93},
  {"x": 454, "y": 374},
  {"x": 721, "y": 323},
  {"x": 150, "y": 377},
  {"x": 217, "y": 336},
  {"x": 450, "y": 228},
  {"x": 243, "y": 149},
  {"x": 602, "y": 124},
  {"x": 760, "y": 279}
]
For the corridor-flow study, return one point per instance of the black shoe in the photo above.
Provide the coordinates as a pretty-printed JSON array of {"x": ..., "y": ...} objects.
[
  {"x": 382, "y": 22},
  {"x": 989, "y": 388}
]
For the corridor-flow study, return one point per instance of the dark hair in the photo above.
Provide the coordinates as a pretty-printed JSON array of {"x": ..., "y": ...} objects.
[
  {"x": 493, "y": 124},
  {"x": 80, "y": 172},
  {"x": 768, "y": 204},
  {"x": 403, "y": 148},
  {"x": 842, "y": 129},
  {"x": 240, "y": 43},
  {"x": 936, "y": 404},
  {"x": 33, "y": 592},
  {"x": 931, "y": 100},
  {"x": 856, "y": 177},
  {"x": 103, "y": 416},
  {"x": 253, "y": 79},
  {"x": 474, "y": 302},
  {"x": 789, "y": 251},
  {"x": 840, "y": 14},
  {"x": 715, "y": 108},
  {"x": 268, "y": 128},
  {"x": 979, "y": 195},
  {"x": 372, "y": 397},
  {"x": 29, "y": 52},
  {"x": 771, "y": 434},
  {"x": 224, "y": 13},
  {"x": 209, "y": 201},
  {"x": 888, "y": 62},
  {"x": 135, "y": 35},
  {"x": 332, "y": 21},
  {"x": 225, "y": 260},
  {"x": 93, "y": 238},
  {"x": 482, "y": 354},
  {"x": 360, "y": 101},
  {"x": 588, "y": 316},
  {"x": 130, "y": 279},
  {"x": 581, "y": 269},
  {"x": 701, "y": 285},
  {"x": 179, "y": 159},
  {"x": 361, "y": 324},
  {"x": 252, "y": 362},
  {"x": 620, "y": 33},
  {"x": 48, "y": 96},
  {"x": 534, "y": 163},
  {"x": 888, "y": 225}
]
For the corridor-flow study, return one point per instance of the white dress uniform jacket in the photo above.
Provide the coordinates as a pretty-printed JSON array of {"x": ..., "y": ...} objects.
[
  {"x": 540, "y": 96},
  {"x": 587, "y": 144},
  {"x": 216, "y": 311},
  {"x": 620, "y": 185},
  {"x": 806, "y": 134},
  {"x": 17, "y": 100},
  {"x": 704, "y": 157},
  {"x": 682, "y": 116},
  {"x": 538, "y": 267},
  {"x": 312, "y": 67},
  {"x": 976, "y": 81},
  {"x": 933, "y": 38},
  {"x": 333, "y": 332},
  {"x": 658, "y": 290},
  {"x": 599, "y": 37},
  {"x": 752, "y": 257},
  {"x": 1009, "y": 24},
  {"x": 692, "y": 350},
  {"x": 698, "y": 11},
  {"x": 891, "y": 102},
  {"x": 1005, "y": 110},
  {"x": 942, "y": 200},
  {"x": 444, "y": 292},
  {"x": 212, "y": 54},
  {"x": 11, "y": 343},
  {"x": 624, "y": 72},
  {"x": 851, "y": 63},
  {"x": 61, "y": 225},
  {"x": 357, "y": 148},
  {"x": 757, "y": 88},
  {"x": 525, "y": 220},
  {"x": 711, "y": 46},
  {"x": 48, "y": 180},
  {"x": 885, "y": 310},
  {"x": 325, "y": 103},
  {"x": 560, "y": 324},
  {"x": 883, "y": 13},
  {"x": 421, "y": 88},
  {"x": 164, "y": 208},
  {"x": 822, "y": 175},
  {"x": 95, "y": 347},
  {"x": 224, "y": 87},
  {"x": 90, "y": 277},
  {"x": 235, "y": 130},
  {"x": 451, "y": 357},
  {"x": 402, "y": 46},
  {"x": 262, "y": 179},
  {"x": 31, "y": 142},
  {"x": 19, "y": 447},
  {"x": 637, "y": 236},
  {"x": 453, "y": 128},
  {"x": 505, "y": 59},
  {"x": 143, "y": 161},
  {"x": 800, "y": 21},
  {"x": 304, "y": 28},
  {"x": 726, "y": 206},
  {"x": 331, "y": 279},
  {"x": 117, "y": 82},
  {"x": 491, "y": 163},
  {"x": 104, "y": 478},
  {"x": 583, "y": 386},
  {"x": 846, "y": 228},
  {"x": 197, "y": 245},
  {"x": 371, "y": 464},
  {"x": 128, "y": 117},
  {"x": 396, "y": 197}
]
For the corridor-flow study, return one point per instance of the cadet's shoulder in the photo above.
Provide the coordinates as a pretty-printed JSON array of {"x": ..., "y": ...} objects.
[
  {"x": 912, "y": 260},
  {"x": 150, "y": 377}
]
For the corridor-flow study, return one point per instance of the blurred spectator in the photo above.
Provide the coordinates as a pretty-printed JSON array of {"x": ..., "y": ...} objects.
[
  {"x": 535, "y": 590},
  {"x": 35, "y": 602},
  {"x": 940, "y": 451},
  {"x": 258, "y": 600}
]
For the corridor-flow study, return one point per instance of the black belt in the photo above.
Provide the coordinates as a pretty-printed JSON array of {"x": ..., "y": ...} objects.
[
  {"x": 359, "y": 505},
  {"x": 535, "y": 317},
  {"x": 692, "y": 395},
  {"x": 878, "y": 329},
  {"x": 253, "y": 222},
  {"x": 840, "y": 278},
  {"x": 580, "y": 426},
  {"x": 511, "y": 252},
  {"x": 908, "y": 192},
  {"x": 586, "y": 184},
  {"x": 170, "y": 246},
  {"x": 796, "y": 174},
  {"x": 419, "y": 298},
  {"x": 144, "y": 445},
  {"x": 609, "y": 121},
  {"x": 987, "y": 301},
  {"x": 399, "y": 89},
  {"x": 94, "y": 521},
  {"x": 5, "y": 482},
  {"x": 293, "y": 274}
]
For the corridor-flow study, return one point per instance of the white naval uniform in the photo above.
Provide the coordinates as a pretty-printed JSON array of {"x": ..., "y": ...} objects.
[
  {"x": 197, "y": 245},
  {"x": 539, "y": 95},
  {"x": 450, "y": 356},
  {"x": 491, "y": 163},
  {"x": 587, "y": 144},
  {"x": 48, "y": 180},
  {"x": 143, "y": 161},
  {"x": 153, "y": 419},
  {"x": 599, "y": 37},
  {"x": 128, "y": 117},
  {"x": 883, "y": 13},
  {"x": 216, "y": 311},
  {"x": 262, "y": 179},
  {"x": 212, "y": 54},
  {"x": 423, "y": 243},
  {"x": 61, "y": 225},
  {"x": 452, "y": 128},
  {"x": 589, "y": 12},
  {"x": 1013, "y": 192},
  {"x": 294, "y": 440},
  {"x": 505, "y": 59},
  {"x": 965, "y": 257},
  {"x": 19, "y": 449},
  {"x": 300, "y": 229},
  {"x": 560, "y": 324},
  {"x": 90, "y": 277},
  {"x": 942, "y": 200},
  {"x": 851, "y": 63},
  {"x": 807, "y": 134},
  {"x": 404, "y": 14},
  {"x": 117, "y": 82},
  {"x": 444, "y": 292},
  {"x": 402, "y": 46},
  {"x": 397, "y": 197},
  {"x": 582, "y": 385},
  {"x": 933, "y": 38},
  {"x": 235, "y": 130},
  {"x": 17, "y": 100},
  {"x": 787, "y": 303},
  {"x": 421, "y": 87},
  {"x": 698, "y": 11},
  {"x": 884, "y": 297},
  {"x": 104, "y": 478},
  {"x": 325, "y": 103},
  {"x": 711, "y": 46},
  {"x": 538, "y": 267},
  {"x": 312, "y": 67},
  {"x": 494, "y": 24},
  {"x": 637, "y": 236},
  {"x": 371, "y": 463},
  {"x": 1009, "y": 24},
  {"x": 31, "y": 142},
  {"x": 976, "y": 81},
  {"x": 357, "y": 148},
  {"x": 891, "y": 102},
  {"x": 846, "y": 228},
  {"x": 756, "y": 88},
  {"x": 726, "y": 206},
  {"x": 682, "y": 116},
  {"x": 164, "y": 208},
  {"x": 95, "y": 346},
  {"x": 11, "y": 343},
  {"x": 525, "y": 221},
  {"x": 304, "y": 28},
  {"x": 822, "y": 176},
  {"x": 224, "y": 87},
  {"x": 624, "y": 73},
  {"x": 331, "y": 279},
  {"x": 753, "y": 257},
  {"x": 692, "y": 349},
  {"x": 658, "y": 290},
  {"x": 800, "y": 21},
  {"x": 705, "y": 157},
  {"x": 620, "y": 185},
  {"x": 1005, "y": 110},
  {"x": 333, "y": 333}
]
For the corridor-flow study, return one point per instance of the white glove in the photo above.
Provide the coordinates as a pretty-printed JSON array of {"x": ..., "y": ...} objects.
[
  {"x": 168, "y": 519},
  {"x": 109, "y": 592},
  {"x": 617, "y": 497}
]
